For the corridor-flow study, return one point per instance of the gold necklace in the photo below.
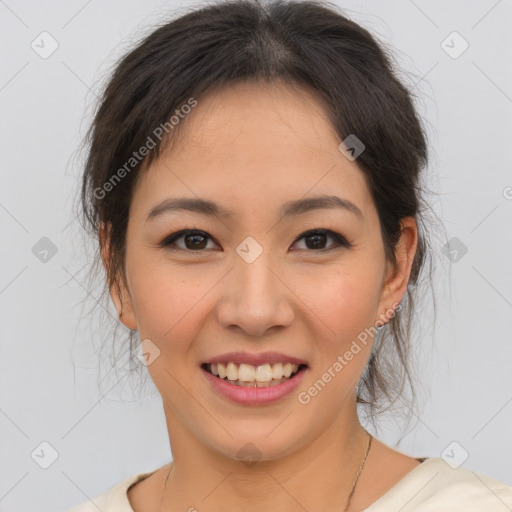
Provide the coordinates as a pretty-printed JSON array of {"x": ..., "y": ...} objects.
[
  {"x": 359, "y": 471},
  {"x": 349, "y": 496}
]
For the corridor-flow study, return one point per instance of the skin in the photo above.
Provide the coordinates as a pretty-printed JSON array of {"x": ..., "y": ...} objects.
[{"x": 252, "y": 147}]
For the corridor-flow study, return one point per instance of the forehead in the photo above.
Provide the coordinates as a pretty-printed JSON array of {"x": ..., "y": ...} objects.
[{"x": 253, "y": 146}]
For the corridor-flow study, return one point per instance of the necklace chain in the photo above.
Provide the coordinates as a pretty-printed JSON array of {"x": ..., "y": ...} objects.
[{"x": 359, "y": 471}]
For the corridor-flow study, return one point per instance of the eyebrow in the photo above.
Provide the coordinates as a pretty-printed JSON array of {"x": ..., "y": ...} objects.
[{"x": 288, "y": 209}]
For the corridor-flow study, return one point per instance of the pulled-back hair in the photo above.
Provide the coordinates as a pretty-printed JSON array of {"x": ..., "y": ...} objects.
[{"x": 307, "y": 44}]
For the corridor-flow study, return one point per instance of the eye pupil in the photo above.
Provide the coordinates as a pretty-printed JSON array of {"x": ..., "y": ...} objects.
[
  {"x": 316, "y": 237},
  {"x": 196, "y": 241}
]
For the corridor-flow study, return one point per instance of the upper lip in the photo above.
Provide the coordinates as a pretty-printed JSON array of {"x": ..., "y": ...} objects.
[{"x": 255, "y": 359}]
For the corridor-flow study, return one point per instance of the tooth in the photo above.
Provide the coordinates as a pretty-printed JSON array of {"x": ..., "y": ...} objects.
[
  {"x": 277, "y": 371},
  {"x": 264, "y": 373},
  {"x": 246, "y": 372},
  {"x": 232, "y": 371},
  {"x": 256, "y": 376}
]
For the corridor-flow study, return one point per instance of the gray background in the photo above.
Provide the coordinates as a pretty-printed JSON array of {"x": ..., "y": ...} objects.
[{"x": 48, "y": 365}]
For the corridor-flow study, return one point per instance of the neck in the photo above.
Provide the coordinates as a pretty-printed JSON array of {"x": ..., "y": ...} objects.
[{"x": 319, "y": 475}]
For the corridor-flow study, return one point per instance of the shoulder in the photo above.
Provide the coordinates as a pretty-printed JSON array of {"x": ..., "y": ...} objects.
[
  {"x": 114, "y": 499},
  {"x": 436, "y": 486},
  {"x": 466, "y": 489}
]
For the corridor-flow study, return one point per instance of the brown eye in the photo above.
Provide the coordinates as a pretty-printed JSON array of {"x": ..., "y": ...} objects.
[
  {"x": 194, "y": 240},
  {"x": 316, "y": 239}
]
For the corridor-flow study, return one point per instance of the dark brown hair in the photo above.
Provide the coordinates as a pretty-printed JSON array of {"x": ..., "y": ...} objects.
[{"x": 307, "y": 44}]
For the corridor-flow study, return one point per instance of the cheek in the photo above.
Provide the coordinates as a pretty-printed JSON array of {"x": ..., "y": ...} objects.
[
  {"x": 167, "y": 306},
  {"x": 347, "y": 304},
  {"x": 168, "y": 309},
  {"x": 345, "y": 300},
  {"x": 162, "y": 304}
]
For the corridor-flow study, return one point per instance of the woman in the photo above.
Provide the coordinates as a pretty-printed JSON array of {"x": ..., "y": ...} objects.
[{"x": 253, "y": 178}]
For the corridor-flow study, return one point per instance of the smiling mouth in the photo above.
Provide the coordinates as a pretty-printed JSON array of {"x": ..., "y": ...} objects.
[{"x": 260, "y": 376}]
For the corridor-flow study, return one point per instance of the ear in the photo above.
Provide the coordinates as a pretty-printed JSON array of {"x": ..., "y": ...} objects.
[
  {"x": 396, "y": 280},
  {"x": 120, "y": 294}
]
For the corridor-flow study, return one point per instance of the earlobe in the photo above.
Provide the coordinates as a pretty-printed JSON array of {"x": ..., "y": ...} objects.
[
  {"x": 397, "y": 279},
  {"x": 118, "y": 292},
  {"x": 123, "y": 304}
]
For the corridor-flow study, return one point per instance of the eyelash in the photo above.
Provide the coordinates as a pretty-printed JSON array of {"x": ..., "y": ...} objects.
[{"x": 340, "y": 240}]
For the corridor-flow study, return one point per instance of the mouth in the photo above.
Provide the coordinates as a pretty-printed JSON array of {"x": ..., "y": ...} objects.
[{"x": 254, "y": 376}]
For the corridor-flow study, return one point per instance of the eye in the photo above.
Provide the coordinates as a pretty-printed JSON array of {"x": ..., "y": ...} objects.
[
  {"x": 316, "y": 238},
  {"x": 196, "y": 240}
]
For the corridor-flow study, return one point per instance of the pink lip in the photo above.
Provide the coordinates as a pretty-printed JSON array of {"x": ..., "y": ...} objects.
[
  {"x": 254, "y": 396},
  {"x": 255, "y": 359}
]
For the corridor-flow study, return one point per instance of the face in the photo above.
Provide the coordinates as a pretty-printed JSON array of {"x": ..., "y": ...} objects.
[{"x": 253, "y": 281}]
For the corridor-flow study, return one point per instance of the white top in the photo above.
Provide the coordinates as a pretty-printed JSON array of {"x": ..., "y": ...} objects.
[{"x": 432, "y": 486}]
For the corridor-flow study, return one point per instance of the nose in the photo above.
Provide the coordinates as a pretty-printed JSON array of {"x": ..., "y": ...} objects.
[{"x": 255, "y": 298}]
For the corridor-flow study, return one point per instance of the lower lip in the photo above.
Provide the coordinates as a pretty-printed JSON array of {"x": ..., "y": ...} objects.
[{"x": 253, "y": 395}]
